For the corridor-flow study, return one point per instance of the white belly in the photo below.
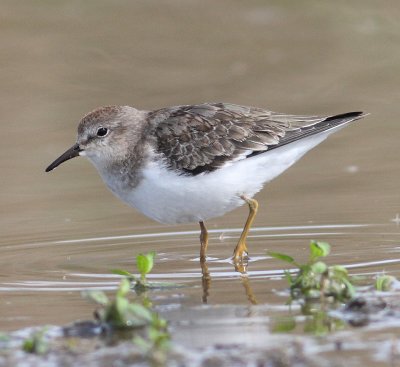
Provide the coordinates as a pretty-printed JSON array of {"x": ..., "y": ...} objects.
[{"x": 169, "y": 198}]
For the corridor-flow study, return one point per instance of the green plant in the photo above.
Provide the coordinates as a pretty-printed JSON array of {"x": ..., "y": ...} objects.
[
  {"x": 144, "y": 264},
  {"x": 385, "y": 283},
  {"x": 158, "y": 337},
  {"x": 120, "y": 312},
  {"x": 315, "y": 278},
  {"x": 36, "y": 343}
]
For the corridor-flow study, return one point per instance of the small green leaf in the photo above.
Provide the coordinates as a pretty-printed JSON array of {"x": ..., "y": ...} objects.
[
  {"x": 319, "y": 267},
  {"x": 96, "y": 296},
  {"x": 117, "y": 313},
  {"x": 351, "y": 290},
  {"x": 141, "y": 311},
  {"x": 340, "y": 270},
  {"x": 145, "y": 263},
  {"x": 124, "y": 288},
  {"x": 319, "y": 249},
  {"x": 28, "y": 346},
  {"x": 384, "y": 283},
  {"x": 121, "y": 304},
  {"x": 36, "y": 343},
  {"x": 123, "y": 273},
  {"x": 279, "y": 256}
]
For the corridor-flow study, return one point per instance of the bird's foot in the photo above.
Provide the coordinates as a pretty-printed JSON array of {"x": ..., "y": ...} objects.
[
  {"x": 241, "y": 265},
  {"x": 240, "y": 257}
]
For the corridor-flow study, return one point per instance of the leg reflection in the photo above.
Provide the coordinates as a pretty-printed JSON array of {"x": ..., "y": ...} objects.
[
  {"x": 205, "y": 281},
  {"x": 206, "y": 284},
  {"x": 249, "y": 291}
]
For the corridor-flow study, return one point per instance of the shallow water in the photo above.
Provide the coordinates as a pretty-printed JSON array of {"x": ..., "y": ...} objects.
[{"x": 63, "y": 232}]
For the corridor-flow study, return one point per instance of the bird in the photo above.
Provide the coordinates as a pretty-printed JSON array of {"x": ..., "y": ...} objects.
[{"x": 192, "y": 163}]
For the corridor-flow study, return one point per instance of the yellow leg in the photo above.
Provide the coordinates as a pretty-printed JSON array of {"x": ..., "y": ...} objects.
[
  {"x": 241, "y": 249},
  {"x": 203, "y": 241}
]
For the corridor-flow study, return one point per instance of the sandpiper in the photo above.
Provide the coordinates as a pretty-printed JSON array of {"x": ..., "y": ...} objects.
[{"x": 195, "y": 162}]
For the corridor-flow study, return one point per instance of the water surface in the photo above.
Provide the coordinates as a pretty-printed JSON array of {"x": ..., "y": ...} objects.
[{"x": 63, "y": 232}]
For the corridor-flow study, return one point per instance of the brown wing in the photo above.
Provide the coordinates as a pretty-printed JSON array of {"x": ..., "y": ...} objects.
[{"x": 201, "y": 138}]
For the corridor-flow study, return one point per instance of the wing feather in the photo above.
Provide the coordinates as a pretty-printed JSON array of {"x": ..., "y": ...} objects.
[{"x": 201, "y": 138}]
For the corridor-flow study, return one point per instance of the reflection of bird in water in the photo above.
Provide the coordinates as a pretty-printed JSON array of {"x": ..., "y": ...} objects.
[
  {"x": 205, "y": 281},
  {"x": 206, "y": 284},
  {"x": 249, "y": 291}
]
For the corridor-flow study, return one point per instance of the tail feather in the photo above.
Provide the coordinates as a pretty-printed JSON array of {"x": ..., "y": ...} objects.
[{"x": 321, "y": 126}]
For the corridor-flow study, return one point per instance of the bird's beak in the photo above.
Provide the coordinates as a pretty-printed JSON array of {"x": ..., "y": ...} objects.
[{"x": 70, "y": 153}]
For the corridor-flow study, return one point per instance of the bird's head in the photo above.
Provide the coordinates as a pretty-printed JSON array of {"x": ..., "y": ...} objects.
[{"x": 105, "y": 135}]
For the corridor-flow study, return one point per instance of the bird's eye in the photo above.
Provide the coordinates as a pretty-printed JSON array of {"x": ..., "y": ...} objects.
[{"x": 102, "y": 131}]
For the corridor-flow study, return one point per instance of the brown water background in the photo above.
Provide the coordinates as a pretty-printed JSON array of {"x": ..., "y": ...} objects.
[{"x": 63, "y": 232}]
